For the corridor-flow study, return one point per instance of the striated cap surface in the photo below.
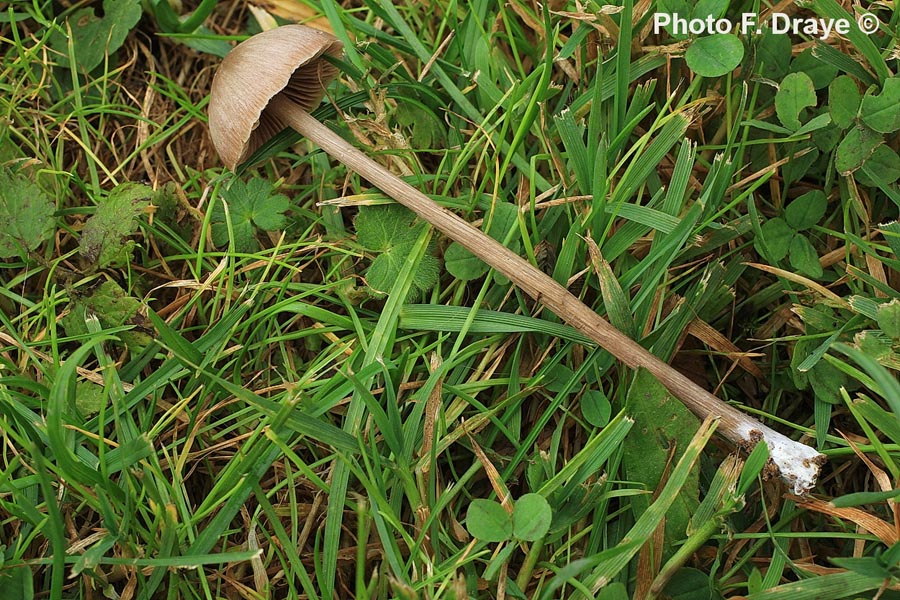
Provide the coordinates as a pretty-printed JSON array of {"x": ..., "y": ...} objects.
[{"x": 285, "y": 60}]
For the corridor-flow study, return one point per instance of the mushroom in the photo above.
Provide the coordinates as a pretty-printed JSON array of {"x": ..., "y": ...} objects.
[{"x": 270, "y": 82}]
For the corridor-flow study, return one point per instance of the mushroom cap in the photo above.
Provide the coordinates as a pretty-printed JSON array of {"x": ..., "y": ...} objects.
[{"x": 285, "y": 60}]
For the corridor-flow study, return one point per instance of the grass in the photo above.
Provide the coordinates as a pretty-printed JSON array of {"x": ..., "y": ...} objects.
[{"x": 263, "y": 424}]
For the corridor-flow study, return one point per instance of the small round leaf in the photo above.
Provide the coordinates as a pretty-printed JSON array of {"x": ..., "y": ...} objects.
[
  {"x": 806, "y": 210},
  {"x": 795, "y": 94},
  {"x": 883, "y": 167},
  {"x": 531, "y": 517},
  {"x": 558, "y": 379},
  {"x": 488, "y": 521},
  {"x": 462, "y": 264},
  {"x": 776, "y": 239},
  {"x": 804, "y": 257},
  {"x": 595, "y": 408},
  {"x": 715, "y": 55}
]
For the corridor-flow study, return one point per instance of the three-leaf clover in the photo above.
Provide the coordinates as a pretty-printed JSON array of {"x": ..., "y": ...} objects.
[
  {"x": 865, "y": 120},
  {"x": 391, "y": 232},
  {"x": 795, "y": 94},
  {"x": 783, "y": 237},
  {"x": 251, "y": 206}
]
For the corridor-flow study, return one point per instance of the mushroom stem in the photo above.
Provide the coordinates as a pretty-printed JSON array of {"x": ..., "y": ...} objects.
[{"x": 797, "y": 463}]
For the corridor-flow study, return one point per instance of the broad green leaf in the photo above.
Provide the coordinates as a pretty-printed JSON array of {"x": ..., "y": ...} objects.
[
  {"x": 380, "y": 228},
  {"x": 488, "y": 521},
  {"x": 462, "y": 264},
  {"x": 104, "y": 239},
  {"x": 681, "y": 481},
  {"x": 857, "y": 146},
  {"x": 26, "y": 215},
  {"x": 391, "y": 231},
  {"x": 426, "y": 128},
  {"x": 691, "y": 584},
  {"x": 596, "y": 408},
  {"x": 382, "y": 273},
  {"x": 820, "y": 72},
  {"x": 795, "y": 169},
  {"x": 531, "y": 517},
  {"x": 795, "y": 94},
  {"x": 806, "y": 211},
  {"x": 826, "y": 381},
  {"x": 613, "y": 591},
  {"x": 252, "y": 205},
  {"x": 671, "y": 7},
  {"x": 690, "y": 10},
  {"x": 714, "y": 55},
  {"x": 17, "y": 582},
  {"x": 113, "y": 307},
  {"x": 883, "y": 167},
  {"x": 804, "y": 257},
  {"x": 843, "y": 101},
  {"x": 660, "y": 423},
  {"x": 94, "y": 37},
  {"x": 882, "y": 112},
  {"x": 773, "y": 54},
  {"x": 709, "y": 8},
  {"x": 889, "y": 318},
  {"x": 776, "y": 237},
  {"x": 559, "y": 378},
  {"x": 827, "y": 138},
  {"x": 269, "y": 214},
  {"x": 89, "y": 398}
]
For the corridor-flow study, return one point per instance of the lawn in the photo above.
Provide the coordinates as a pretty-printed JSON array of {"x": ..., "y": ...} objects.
[{"x": 277, "y": 381}]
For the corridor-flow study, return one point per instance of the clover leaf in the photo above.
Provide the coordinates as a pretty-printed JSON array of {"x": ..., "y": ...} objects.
[
  {"x": 783, "y": 237},
  {"x": 806, "y": 210},
  {"x": 795, "y": 94},
  {"x": 251, "y": 206},
  {"x": 879, "y": 111},
  {"x": 26, "y": 215},
  {"x": 391, "y": 232},
  {"x": 843, "y": 101},
  {"x": 715, "y": 55}
]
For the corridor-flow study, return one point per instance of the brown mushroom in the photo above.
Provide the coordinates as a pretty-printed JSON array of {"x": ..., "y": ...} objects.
[{"x": 273, "y": 79}]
